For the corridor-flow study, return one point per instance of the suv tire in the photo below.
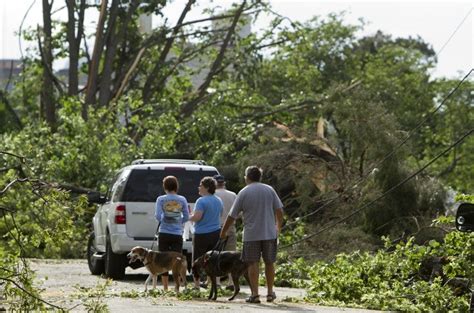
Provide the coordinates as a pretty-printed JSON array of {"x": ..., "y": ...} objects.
[
  {"x": 114, "y": 263},
  {"x": 96, "y": 266}
]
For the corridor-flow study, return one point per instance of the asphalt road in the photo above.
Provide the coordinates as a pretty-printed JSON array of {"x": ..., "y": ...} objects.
[{"x": 68, "y": 284}]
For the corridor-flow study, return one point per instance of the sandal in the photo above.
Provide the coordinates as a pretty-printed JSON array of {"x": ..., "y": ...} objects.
[
  {"x": 253, "y": 299},
  {"x": 271, "y": 297}
]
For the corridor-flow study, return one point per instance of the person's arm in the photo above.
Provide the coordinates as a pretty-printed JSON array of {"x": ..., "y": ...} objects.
[
  {"x": 185, "y": 211},
  {"x": 196, "y": 216},
  {"x": 158, "y": 210},
  {"x": 228, "y": 222},
  {"x": 278, "y": 207},
  {"x": 198, "y": 212},
  {"x": 278, "y": 219}
]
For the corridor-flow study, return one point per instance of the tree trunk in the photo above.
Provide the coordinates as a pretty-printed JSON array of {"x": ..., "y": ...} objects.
[
  {"x": 148, "y": 87},
  {"x": 15, "y": 118},
  {"x": 48, "y": 106},
  {"x": 116, "y": 33},
  {"x": 124, "y": 81},
  {"x": 74, "y": 41},
  {"x": 111, "y": 41},
  {"x": 92, "y": 82},
  {"x": 191, "y": 105}
]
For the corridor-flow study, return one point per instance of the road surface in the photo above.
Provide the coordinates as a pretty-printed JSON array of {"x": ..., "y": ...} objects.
[{"x": 67, "y": 283}]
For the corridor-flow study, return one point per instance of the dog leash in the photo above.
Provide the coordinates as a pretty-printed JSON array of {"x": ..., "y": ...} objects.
[
  {"x": 220, "y": 244},
  {"x": 157, "y": 235},
  {"x": 219, "y": 247}
]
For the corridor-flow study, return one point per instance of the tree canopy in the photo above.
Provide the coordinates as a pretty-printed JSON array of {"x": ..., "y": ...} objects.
[{"x": 334, "y": 118}]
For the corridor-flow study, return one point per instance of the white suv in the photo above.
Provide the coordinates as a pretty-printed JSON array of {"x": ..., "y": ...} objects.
[{"x": 126, "y": 215}]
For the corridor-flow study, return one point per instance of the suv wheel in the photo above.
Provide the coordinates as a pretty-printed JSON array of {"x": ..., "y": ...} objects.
[
  {"x": 114, "y": 263},
  {"x": 96, "y": 265}
]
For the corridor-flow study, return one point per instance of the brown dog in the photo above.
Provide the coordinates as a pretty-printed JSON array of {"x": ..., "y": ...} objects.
[
  {"x": 215, "y": 263},
  {"x": 161, "y": 262}
]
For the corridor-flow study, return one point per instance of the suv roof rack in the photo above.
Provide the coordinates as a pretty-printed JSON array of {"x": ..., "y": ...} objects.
[{"x": 178, "y": 161}]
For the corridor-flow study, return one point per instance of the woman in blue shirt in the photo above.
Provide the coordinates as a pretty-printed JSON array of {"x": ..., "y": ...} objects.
[
  {"x": 171, "y": 211},
  {"x": 206, "y": 215}
]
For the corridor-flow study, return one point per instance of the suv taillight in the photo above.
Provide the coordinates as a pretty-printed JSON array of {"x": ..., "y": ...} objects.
[{"x": 120, "y": 216}]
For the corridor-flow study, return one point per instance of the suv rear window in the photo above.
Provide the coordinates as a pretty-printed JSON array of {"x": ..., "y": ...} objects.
[{"x": 145, "y": 185}]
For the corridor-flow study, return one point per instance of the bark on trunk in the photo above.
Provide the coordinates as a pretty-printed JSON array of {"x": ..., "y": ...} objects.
[
  {"x": 48, "y": 106},
  {"x": 191, "y": 105},
  {"x": 116, "y": 34},
  {"x": 148, "y": 88},
  {"x": 111, "y": 42},
  {"x": 74, "y": 40},
  {"x": 15, "y": 118},
  {"x": 93, "y": 78}
]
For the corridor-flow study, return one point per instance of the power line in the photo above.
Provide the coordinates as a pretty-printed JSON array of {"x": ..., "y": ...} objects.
[
  {"x": 455, "y": 31},
  {"x": 385, "y": 193},
  {"x": 406, "y": 139},
  {"x": 367, "y": 174},
  {"x": 21, "y": 27}
]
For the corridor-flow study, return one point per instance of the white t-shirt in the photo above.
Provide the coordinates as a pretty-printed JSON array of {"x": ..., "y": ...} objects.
[{"x": 228, "y": 198}]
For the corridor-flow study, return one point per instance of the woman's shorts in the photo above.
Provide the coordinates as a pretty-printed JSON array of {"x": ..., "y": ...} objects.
[{"x": 170, "y": 242}]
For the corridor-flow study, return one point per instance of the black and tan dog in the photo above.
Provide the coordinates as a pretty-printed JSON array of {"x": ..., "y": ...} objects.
[
  {"x": 215, "y": 263},
  {"x": 161, "y": 262}
]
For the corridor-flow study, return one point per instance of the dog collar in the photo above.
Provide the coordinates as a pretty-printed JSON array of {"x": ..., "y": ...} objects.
[{"x": 144, "y": 258}]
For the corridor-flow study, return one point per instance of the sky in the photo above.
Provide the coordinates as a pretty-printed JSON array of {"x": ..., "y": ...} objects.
[{"x": 447, "y": 25}]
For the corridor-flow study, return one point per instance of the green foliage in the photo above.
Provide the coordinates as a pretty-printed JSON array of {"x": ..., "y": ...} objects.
[
  {"x": 388, "y": 279},
  {"x": 368, "y": 92},
  {"x": 8, "y": 121},
  {"x": 17, "y": 283},
  {"x": 79, "y": 153},
  {"x": 51, "y": 222},
  {"x": 93, "y": 297},
  {"x": 185, "y": 294},
  {"x": 452, "y": 120},
  {"x": 191, "y": 293},
  {"x": 465, "y": 198},
  {"x": 292, "y": 273},
  {"x": 44, "y": 227}
]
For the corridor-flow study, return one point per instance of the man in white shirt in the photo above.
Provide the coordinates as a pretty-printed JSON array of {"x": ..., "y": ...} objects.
[{"x": 228, "y": 198}]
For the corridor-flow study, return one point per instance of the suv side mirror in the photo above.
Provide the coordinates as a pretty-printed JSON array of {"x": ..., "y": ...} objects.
[
  {"x": 96, "y": 197},
  {"x": 465, "y": 217}
]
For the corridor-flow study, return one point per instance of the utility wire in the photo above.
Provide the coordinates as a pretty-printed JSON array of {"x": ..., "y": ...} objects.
[
  {"x": 367, "y": 174},
  {"x": 411, "y": 132},
  {"x": 393, "y": 151},
  {"x": 21, "y": 27},
  {"x": 455, "y": 31},
  {"x": 385, "y": 193}
]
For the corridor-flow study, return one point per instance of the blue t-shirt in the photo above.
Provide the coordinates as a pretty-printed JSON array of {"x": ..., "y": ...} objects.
[
  {"x": 172, "y": 211},
  {"x": 211, "y": 208}
]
